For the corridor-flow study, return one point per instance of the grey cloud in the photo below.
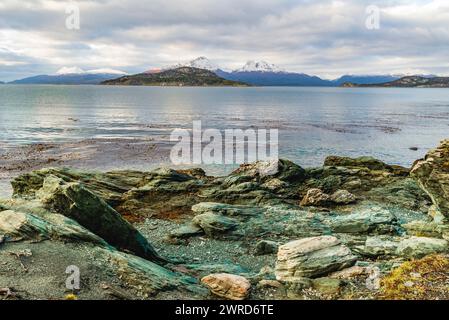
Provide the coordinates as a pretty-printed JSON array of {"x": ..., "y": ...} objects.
[{"x": 325, "y": 37}]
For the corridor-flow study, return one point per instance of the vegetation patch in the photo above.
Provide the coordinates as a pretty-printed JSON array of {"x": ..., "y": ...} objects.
[{"x": 424, "y": 279}]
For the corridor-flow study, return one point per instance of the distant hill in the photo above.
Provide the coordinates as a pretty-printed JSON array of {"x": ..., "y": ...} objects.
[
  {"x": 408, "y": 82},
  {"x": 73, "y": 78},
  {"x": 181, "y": 76},
  {"x": 365, "y": 79}
]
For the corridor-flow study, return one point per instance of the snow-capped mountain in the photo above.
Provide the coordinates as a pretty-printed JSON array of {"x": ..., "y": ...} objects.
[
  {"x": 200, "y": 63},
  {"x": 259, "y": 66},
  {"x": 262, "y": 73},
  {"x": 203, "y": 63}
]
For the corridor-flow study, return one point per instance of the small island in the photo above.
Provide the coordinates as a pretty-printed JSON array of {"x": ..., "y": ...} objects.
[
  {"x": 179, "y": 77},
  {"x": 406, "y": 82}
]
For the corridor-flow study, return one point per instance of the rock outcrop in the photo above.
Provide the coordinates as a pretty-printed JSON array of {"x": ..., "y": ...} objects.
[
  {"x": 432, "y": 174},
  {"x": 356, "y": 216},
  {"x": 76, "y": 202}
]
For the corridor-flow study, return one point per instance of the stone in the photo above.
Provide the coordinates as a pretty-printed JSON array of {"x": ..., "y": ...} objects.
[
  {"x": 269, "y": 284},
  {"x": 311, "y": 258},
  {"x": 57, "y": 227},
  {"x": 265, "y": 247},
  {"x": 281, "y": 169},
  {"x": 187, "y": 231},
  {"x": 214, "y": 224},
  {"x": 226, "y": 209},
  {"x": 418, "y": 247},
  {"x": 432, "y": 174},
  {"x": 368, "y": 220},
  {"x": 364, "y": 162},
  {"x": 110, "y": 186},
  {"x": 327, "y": 286},
  {"x": 426, "y": 229},
  {"x": 162, "y": 193},
  {"x": 315, "y": 197},
  {"x": 203, "y": 270},
  {"x": 380, "y": 246},
  {"x": 76, "y": 202},
  {"x": 353, "y": 184},
  {"x": 349, "y": 273},
  {"x": 228, "y": 286},
  {"x": 343, "y": 197},
  {"x": 275, "y": 184}
]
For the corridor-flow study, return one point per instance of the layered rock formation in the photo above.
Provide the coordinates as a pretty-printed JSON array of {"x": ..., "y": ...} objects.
[{"x": 432, "y": 174}]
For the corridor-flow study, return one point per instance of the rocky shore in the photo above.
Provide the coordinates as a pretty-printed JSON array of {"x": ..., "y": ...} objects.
[{"x": 351, "y": 229}]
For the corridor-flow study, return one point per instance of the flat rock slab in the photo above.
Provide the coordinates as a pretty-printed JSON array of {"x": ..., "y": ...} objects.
[{"x": 312, "y": 257}]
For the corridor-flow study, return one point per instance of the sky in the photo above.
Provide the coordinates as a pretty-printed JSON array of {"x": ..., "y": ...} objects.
[{"x": 327, "y": 38}]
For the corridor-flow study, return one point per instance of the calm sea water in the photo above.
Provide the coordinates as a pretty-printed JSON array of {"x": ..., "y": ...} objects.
[{"x": 312, "y": 122}]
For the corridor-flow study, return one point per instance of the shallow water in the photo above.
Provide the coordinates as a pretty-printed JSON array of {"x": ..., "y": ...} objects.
[{"x": 312, "y": 122}]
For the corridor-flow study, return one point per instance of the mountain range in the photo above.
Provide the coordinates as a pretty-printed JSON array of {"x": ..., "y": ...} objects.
[
  {"x": 73, "y": 75},
  {"x": 258, "y": 73}
]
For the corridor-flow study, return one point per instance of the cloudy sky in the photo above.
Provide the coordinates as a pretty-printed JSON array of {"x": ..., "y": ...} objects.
[{"x": 326, "y": 38}]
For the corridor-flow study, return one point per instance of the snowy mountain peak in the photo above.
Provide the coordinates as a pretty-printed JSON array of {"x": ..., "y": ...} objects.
[
  {"x": 259, "y": 66},
  {"x": 77, "y": 70},
  {"x": 200, "y": 63},
  {"x": 203, "y": 63}
]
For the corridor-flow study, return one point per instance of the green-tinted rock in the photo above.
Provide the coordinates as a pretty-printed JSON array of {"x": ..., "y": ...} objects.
[
  {"x": 214, "y": 224},
  {"x": 418, "y": 247},
  {"x": 73, "y": 200},
  {"x": 369, "y": 220}
]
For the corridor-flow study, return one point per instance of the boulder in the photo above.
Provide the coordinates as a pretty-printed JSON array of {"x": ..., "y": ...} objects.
[
  {"x": 281, "y": 169},
  {"x": 110, "y": 186},
  {"x": 163, "y": 193},
  {"x": 311, "y": 258},
  {"x": 187, "y": 231},
  {"x": 432, "y": 174},
  {"x": 315, "y": 197},
  {"x": 379, "y": 246},
  {"x": 228, "y": 286},
  {"x": 264, "y": 247},
  {"x": 343, "y": 197},
  {"x": 28, "y": 226},
  {"x": 418, "y": 247},
  {"x": 76, "y": 202},
  {"x": 214, "y": 224}
]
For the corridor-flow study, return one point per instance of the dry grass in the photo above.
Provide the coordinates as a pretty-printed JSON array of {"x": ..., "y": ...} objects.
[{"x": 424, "y": 279}]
